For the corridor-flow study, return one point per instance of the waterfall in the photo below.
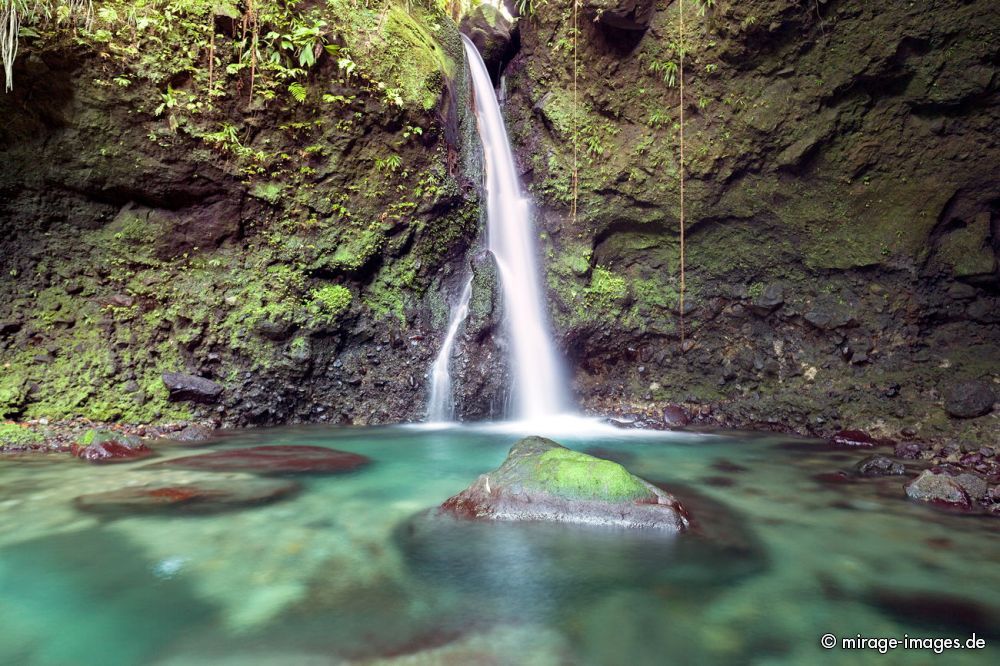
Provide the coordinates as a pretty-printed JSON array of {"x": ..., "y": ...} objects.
[
  {"x": 441, "y": 406},
  {"x": 539, "y": 387}
]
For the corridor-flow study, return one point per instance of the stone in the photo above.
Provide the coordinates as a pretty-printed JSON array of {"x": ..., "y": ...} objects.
[
  {"x": 675, "y": 416},
  {"x": 969, "y": 399},
  {"x": 108, "y": 446},
  {"x": 9, "y": 327},
  {"x": 938, "y": 488},
  {"x": 202, "y": 496},
  {"x": 184, "y": 387},
  {"x": 543, "y": 481},
  {"x": 621, "y": 14},
  {"x": 879, "y": 466},
  {"x": 826, "y": 314},
  {"x": 272, "y": 460},
  {"x": 908, "y": 450},
  {"x": 772, "y": 298}
]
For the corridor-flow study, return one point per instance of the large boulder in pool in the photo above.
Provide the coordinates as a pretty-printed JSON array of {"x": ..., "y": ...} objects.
[{"x": 543, "y": 481}]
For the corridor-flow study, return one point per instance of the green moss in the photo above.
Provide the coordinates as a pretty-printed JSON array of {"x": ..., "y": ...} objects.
[
  {"x": 606, "y": 289},
  {"x": 328, "y": 303},
  {"x": 572, "y": 474},
  {"x": 16, "y": 436}
]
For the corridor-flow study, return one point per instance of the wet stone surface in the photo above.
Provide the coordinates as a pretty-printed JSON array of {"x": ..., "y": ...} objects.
[
  {"x": 204, "y": 496},
  {"x": 273, "y": 460}
]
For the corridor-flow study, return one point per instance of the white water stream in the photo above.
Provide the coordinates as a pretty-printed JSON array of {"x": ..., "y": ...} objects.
[
  {"x": 539, "y": 387},
  {"x": 441, "y": 406}
]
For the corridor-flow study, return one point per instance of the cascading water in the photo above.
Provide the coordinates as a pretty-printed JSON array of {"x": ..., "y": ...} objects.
[
  {"x": 441, "y": 406},
  {"x": 539, "y": 388}
]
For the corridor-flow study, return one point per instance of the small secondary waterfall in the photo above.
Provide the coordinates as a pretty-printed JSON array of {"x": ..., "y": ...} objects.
[
  {"x": 539, "y": 389},
  {"x": 441, "y": 406}
]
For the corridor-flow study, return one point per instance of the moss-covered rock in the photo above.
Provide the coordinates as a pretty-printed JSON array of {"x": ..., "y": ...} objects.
[
  {"x": 543, "y": 481},
  {"x": 16, "y": 438}
]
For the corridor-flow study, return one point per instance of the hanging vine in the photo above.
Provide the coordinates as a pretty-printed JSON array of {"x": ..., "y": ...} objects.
[
  {"x": 680, "y": 78},
  {"x": 576, "y": 112}
]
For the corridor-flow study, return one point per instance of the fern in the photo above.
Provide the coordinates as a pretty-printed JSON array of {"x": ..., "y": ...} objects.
[{"x": 297, "y": 91}]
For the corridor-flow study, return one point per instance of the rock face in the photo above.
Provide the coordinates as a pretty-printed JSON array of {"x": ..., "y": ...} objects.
[
  {"x": 189, "y": 387},
  {"x": 273, "y": 460},
  {"x": 493, "y": 34},
  {"x": 543, "y": 481},
  {"x": 967, "y": 400},
  {"x": 622, "y": 14}
]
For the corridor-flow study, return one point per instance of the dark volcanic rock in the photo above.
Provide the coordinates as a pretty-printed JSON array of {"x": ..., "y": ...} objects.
[
  {"x": 543, "y": 481},
  {"x": 880, "y": 466},
  {"x": 675, "y": 416},
  {"x": 621, "y": 14},
  {"x": 770, "y": 300},
  {"x": 273, "y": 459},
  {"x": 191, "y": 388},
  {"x": 201, "y": 497},
  {"x": 108, "y": 446},
  {"x": 966, "y": 400},
  {"x": 938, "y": 489}
]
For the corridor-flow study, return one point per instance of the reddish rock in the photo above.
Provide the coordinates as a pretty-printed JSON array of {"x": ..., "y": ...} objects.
[
  {"x": 111, "y": 451},
  {"x": 675, "y": 416},
  {"x": 273, "y": 459},
  {"x": 201, "y": 497},
  {"x": 856, "y": 439},
  {"x": 908, "y": 450}
]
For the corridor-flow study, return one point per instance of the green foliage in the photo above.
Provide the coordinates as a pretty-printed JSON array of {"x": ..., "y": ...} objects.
[
  {"x": 704, "y": 6},
  {"x": 668, "y": 69}
]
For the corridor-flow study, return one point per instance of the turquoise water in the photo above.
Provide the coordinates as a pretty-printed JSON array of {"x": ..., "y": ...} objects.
[{"x": 353, "y": 570}]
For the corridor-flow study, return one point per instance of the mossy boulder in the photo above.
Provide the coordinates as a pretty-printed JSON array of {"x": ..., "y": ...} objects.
[
  {"x": 18, "y": 438},
  {"x": 543, "y": 481}
]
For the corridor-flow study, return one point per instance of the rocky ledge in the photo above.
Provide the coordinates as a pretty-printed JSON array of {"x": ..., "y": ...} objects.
[{"x": 543, "y": 481}]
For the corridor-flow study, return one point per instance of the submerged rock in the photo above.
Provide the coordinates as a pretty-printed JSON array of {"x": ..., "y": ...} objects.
[
  {"x": 191, "y": 388},
  {"x": 967, "y": 400},
  {"x": 938, "y": 488},
  {"x": 202, "y": 496},
  {"x": 543, "y": 481},
  {"x": 106, "y": 446},
  {"x": 273, "y": 459},
  {"x": 880, "y": 466}
]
